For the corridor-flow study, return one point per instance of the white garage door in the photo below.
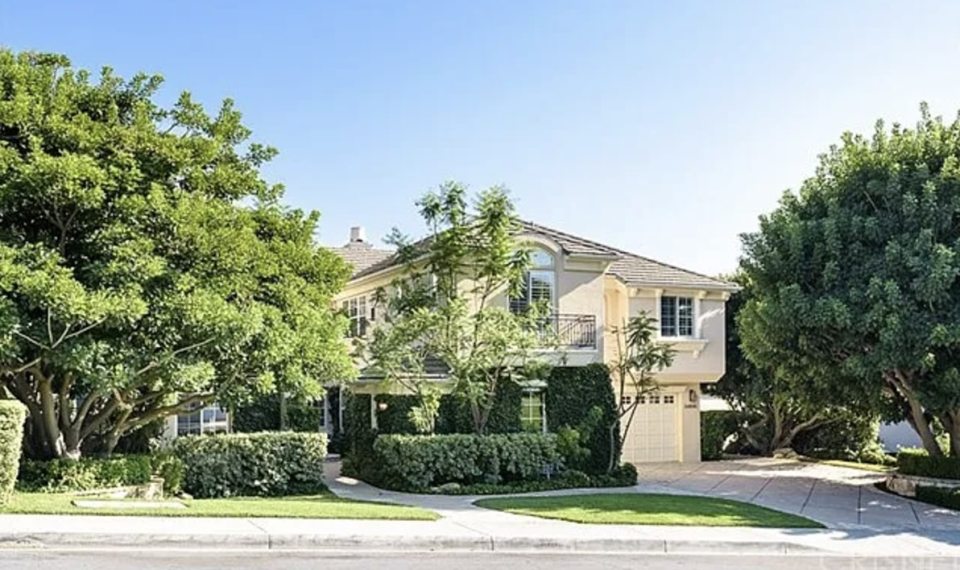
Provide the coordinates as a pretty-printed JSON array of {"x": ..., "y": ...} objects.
[{"x": 654, "y": 434}]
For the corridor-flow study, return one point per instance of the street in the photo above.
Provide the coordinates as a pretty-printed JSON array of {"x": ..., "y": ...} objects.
[{"x": 239, "y": 560}]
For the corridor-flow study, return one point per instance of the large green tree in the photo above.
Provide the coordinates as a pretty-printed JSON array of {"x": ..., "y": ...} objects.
[
  {"x": 775, "y": 409},
  {"x": 145, "y": 266},
  {"x": 855, "y": 278}
]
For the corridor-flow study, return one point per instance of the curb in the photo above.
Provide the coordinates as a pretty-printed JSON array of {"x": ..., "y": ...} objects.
[{"x": 312, "y": 542}]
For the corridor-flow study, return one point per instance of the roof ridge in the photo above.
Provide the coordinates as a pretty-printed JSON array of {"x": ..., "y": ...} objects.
[
  {"x": 391, "y": 256},
  {"x": 569, "y": 235},
  {"x": 625, "y": 252},
  {"x": 671, "y": 266}
]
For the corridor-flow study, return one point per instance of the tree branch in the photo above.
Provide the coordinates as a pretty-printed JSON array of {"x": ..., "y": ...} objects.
[{"x": 170, "y": 356}]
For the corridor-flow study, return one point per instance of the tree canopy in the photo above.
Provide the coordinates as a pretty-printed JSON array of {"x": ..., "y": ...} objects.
[
  {"x": 450, "y": 305},
  {"x": 145, "y": 265},
  {"x": 855, "y": 277},
  {"x": 776, "y": 409}
]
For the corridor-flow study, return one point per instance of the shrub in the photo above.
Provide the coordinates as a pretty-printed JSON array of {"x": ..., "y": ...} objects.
[
  {"x": 416, "y": 463},
  {"x": 395, "y": 417},
  {"x": 876, "y": 455},
  {"x": 715, "y": 430},
  {"x": 581, "y": 398},
  {"x": 357, "y": 450},
  {"x": 912, "y": 461},
  {"x": 623, "y": 476},
  {"x": 263, "y": 414},
  {"x": 257, "y": 464},
  {"x": 455, "y": 416},
  {"x": 171, "y": 469},
  {"x": 86, "y": 474},
  {"x": 949, "y": 498},
  {"x": 12, "y": 416},
  {"x": 845, "y": 438}
]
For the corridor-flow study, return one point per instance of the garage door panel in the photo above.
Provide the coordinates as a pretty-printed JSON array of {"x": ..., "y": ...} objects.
[{"x": 654, "y": 435}]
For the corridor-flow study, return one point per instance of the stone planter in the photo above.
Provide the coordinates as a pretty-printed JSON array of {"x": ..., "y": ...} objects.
[{"x": 906, "y": 485}]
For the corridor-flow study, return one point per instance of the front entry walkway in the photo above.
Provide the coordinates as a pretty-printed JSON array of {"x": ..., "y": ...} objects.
[{"x": 837, "y": 497}]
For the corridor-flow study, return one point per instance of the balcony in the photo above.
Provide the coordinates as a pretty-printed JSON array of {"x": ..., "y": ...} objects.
[{"x": 569, "y": 332}]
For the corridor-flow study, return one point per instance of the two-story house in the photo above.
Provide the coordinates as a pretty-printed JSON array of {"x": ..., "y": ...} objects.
[{"x": 592, "y": 289}]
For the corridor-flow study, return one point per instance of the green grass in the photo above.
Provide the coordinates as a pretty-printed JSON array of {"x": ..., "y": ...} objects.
[
  {"x": 324, "y": 506},
  {"x": 648, "y": 509}
]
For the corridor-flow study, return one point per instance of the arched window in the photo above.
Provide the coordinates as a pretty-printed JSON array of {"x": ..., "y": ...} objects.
[{"x": 540, "y": 282}]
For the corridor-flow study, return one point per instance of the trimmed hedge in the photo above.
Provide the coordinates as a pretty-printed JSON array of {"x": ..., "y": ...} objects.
[
  {"x": 263, "y": 414},
  {"x": 12, "y": 416},
  {"x": 949, "y": 498},
  {"x": 85, "y": 474},
  {"x": 715, "y": 429},
  {"x": 395, "y": 417},
  {"x": 913, "y": 461},
  {"x": 256, "y": 464},
  {"x": 454, "y": 415},
  {"x": 623, "y": 476},
  {"x": 358, "y": 459},
  {"x": 581, "y": 398},
  {"x": 416, "y": 463}
]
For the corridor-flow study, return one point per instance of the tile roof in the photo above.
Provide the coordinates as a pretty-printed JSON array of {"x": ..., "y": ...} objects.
[
  {"x": 630, "y": 268},
  {"x": 361, "y": 255},
  {"x": 636, "y": 270}
]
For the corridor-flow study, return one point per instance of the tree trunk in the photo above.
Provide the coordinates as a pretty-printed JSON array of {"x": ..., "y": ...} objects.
[
  {"x": 283, "y": 411},
  {"x": 616, "y": 439},
  {"x": 951, "y": 423},
  {"x": 614, "y": 448},
  {"x": 913, "y": 411}
]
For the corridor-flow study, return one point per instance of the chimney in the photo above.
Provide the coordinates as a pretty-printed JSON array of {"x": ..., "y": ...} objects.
[{"x": 358, "y": 234}]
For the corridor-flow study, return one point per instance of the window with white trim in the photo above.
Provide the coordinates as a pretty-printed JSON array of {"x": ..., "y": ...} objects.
[
  {"x": 540, "y": 282},
  {"x": 676, "y": 316},
  {"x": 208, "y": 419},
  {"x": 532, "y": 413},
  {"x": 321, "y": 405},
  {"x": 356, "y": 310}
]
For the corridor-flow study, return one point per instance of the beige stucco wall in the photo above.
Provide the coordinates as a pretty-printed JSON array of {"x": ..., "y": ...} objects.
[
  {"x": 698, "y": 359},
  {"x": 690, "y": 420}
]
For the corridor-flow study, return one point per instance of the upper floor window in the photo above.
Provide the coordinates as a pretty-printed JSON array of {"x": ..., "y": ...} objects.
[
  {"x": 540, "y": 282},
  {"x": 676, "y": 316},
  {"x": 356, "y": 310}
]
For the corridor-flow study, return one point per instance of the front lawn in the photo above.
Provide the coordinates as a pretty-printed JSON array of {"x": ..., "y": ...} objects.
[
  {"x": 647, "y": 509},
  {"x": 324, "y": 506}
]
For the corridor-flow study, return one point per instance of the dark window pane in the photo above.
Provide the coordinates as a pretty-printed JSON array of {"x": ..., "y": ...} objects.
[
  {"x": 685, "y": 316},
  {"x": 668, "y": 316}
]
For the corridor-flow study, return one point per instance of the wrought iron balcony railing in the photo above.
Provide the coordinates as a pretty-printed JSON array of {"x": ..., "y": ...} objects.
[{"x": 570, "y": 332}]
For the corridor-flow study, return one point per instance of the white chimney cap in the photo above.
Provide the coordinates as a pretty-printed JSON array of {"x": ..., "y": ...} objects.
[{"x": 358, "y": 234}]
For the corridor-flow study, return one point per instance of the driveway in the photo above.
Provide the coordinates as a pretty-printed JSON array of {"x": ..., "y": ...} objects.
[{"x": 838, "y": 497}]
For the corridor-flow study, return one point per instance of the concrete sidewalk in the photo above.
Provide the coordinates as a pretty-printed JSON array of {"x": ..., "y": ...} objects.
[{"x": 78, "y": 532}]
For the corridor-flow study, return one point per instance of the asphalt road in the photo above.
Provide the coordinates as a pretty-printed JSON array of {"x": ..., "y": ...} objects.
[{"x": 233, "y": 560}]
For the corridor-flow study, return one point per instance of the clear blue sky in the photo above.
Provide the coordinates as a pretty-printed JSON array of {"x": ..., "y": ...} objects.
[{"x": 664, "y": 128}]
